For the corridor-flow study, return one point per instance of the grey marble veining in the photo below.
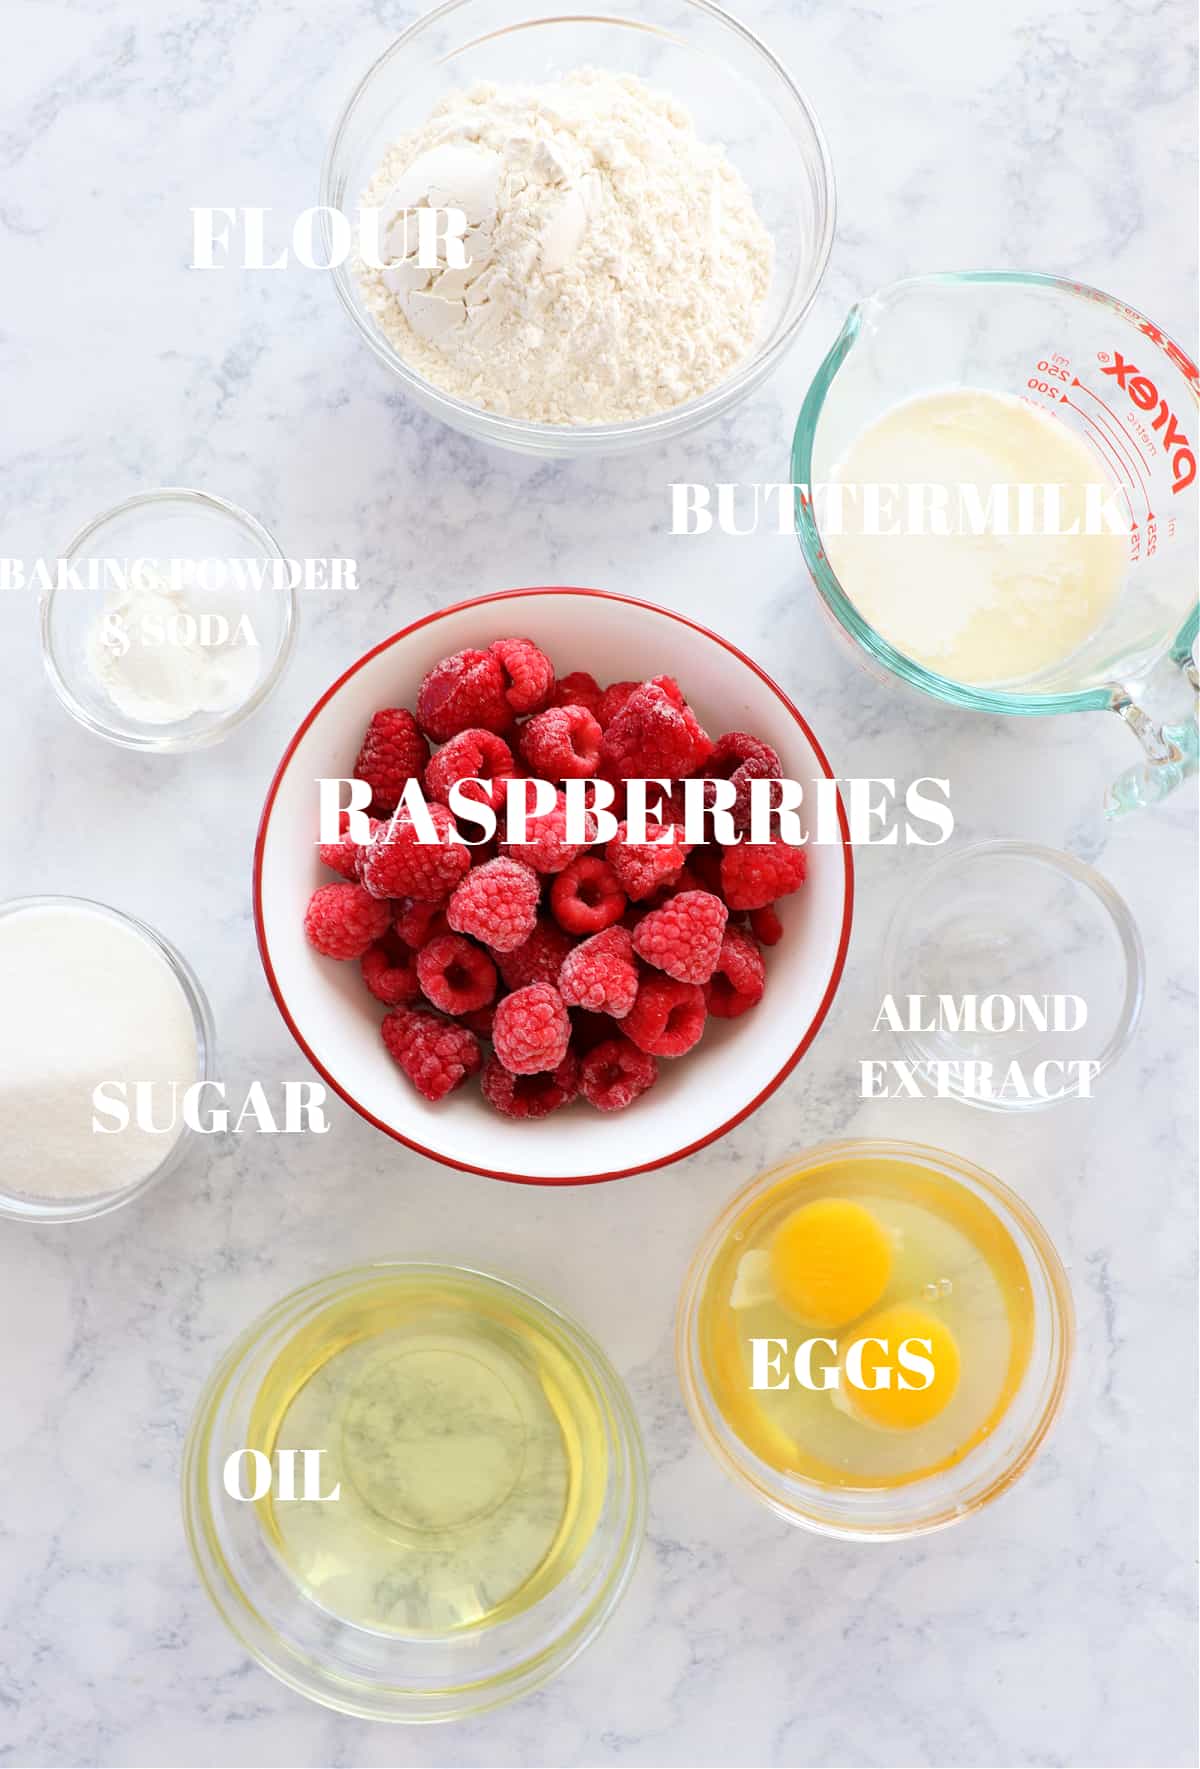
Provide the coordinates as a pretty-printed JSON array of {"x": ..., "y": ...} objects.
[{"x": 1055, "y": 1628}]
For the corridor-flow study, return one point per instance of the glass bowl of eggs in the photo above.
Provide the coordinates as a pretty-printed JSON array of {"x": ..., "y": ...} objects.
[{"x": 874, "y": 1338}]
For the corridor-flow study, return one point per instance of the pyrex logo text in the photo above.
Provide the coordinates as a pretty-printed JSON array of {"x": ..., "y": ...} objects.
[{"x": 1145, "y": 396}]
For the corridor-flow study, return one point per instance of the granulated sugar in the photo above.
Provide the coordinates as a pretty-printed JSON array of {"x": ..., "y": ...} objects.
[{"x": 86, "y": 999}]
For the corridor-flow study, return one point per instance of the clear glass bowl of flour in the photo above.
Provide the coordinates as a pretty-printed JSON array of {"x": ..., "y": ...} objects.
[
  {"x": 168, "y": 620},
  {"x": 740, "y": 98},
  {"x": 107, "y": 1003}
]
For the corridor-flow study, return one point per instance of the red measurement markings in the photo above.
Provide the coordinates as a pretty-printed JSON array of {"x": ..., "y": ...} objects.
[
  {"x": 1134, "y": 530},
  {"x": 1123, "y": 433},
  {"x": 1121, "y": 465}
]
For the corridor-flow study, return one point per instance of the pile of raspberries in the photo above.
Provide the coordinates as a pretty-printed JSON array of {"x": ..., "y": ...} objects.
[{"x": 581, "y": 965}]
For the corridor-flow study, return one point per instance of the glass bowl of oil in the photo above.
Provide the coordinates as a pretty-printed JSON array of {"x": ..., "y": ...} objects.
[
  {"x": 874, "y": 1338},
  {"x": 414, "y": 1491}
]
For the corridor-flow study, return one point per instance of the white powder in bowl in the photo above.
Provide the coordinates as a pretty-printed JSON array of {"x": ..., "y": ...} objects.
[
  {"x": 86, "y": 999},
  {"x": 146, "y": 651},
  {"x": 618, "y": 266}
]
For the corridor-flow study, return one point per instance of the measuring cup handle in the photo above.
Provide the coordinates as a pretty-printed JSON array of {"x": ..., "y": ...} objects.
[{"x": 1172, "y": 752}]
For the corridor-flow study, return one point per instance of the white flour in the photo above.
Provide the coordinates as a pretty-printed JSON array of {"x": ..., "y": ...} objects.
[
  {"x": 86, "y": 999},
  {"x": 617, "y": 268}
]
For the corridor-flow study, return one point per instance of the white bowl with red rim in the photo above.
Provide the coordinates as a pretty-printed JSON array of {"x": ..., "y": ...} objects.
[{"x": 698, "y": 1097}]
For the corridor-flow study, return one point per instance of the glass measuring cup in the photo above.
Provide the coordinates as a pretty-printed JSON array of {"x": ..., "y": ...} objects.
[{"x": 1130, "y": 393}]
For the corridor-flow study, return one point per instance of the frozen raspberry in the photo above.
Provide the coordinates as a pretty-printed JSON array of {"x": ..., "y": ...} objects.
[
  {"x": 472, "y": 755},
  {"x": 563, "y": 743},
  {"x": 480, "y": 1020},
  {"x": 742, "y": 759},
  {"x": 497, "y": 904},
  {"x": 538, "y": 959},
  {"x": 393, "y": 753},
  {"x": 766, "y": 926},
  {"x": 684, "y": 937},
  {"x": 389, "y": 971},
  {"x": 342, "y": 920},
  {"x": 587, "y": 896},
  {"x": 480, "y": 852},
  {"x": 667, "y": 1018},
  {"x": 738, "y": 982},
  {"x": 612, "y": 700},
  {"x": 705, "y": 862},
  {"x": 528, "y": 674},
  {"x": 398, "y": 864},
  {"x": 531, "y": 1030},
  {"x": 461, "y": 692},
  {"x": 684, "y": 881},
  {"x": 342, "y": 856},
  {"x": 436, "y": 1055},
  {"x": 530, "y": 1096},
  {"x": 455, "y": 975},
  {"x": 600, "y": 974},
  {"x": 644, "y": 867},
  {"x": 546, "y": 847},
  {"x": 616, "y": 1073},
  {"x": 755, "y": 873},
  {"x": 418, "y": 923},
  {"x": 577, "y": 689},
  {"x": 655, "y": 735}
]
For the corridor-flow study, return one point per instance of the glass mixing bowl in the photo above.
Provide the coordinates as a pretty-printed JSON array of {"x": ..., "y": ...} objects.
[
  {"x": 1015, "y": 919},
  {"x": 26, "y": 1207},
  {"x": 173, "y": 523},
  {"x": 1118, "y": 382},
  {"x": 733, "y": 85},
  {"x": 881, "y": 1513},
  {"x": 391, "y": 1670}
]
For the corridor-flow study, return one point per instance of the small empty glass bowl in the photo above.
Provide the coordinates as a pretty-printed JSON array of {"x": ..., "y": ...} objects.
[
  {"x": 734, "y": 87},
  {"x": 853, "y": 1508},
  {"x": 1027, "y": 934},
  {"x": 489, "y": 1480},
  {"x": 40, "y": 1207},
  {"x": 215, "y": 551}
]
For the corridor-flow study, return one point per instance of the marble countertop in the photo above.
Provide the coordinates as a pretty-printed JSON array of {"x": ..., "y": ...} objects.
[{"x": 1054, "y": 1628}]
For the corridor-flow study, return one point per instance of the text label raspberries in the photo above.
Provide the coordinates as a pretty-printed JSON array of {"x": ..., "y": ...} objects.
[{"x": 583, "y": 965}]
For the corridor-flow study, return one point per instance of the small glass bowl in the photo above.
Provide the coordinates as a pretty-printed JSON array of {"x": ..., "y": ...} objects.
[
  {"x": 1010, "y": 918},
  {"x": 170, "y": 523},
  {"x": 31, "y": 1208},
  {"x": 361, "y": 1670},
  {"x": 707, "y": 60},
  {"x": 921, "y": 1506}
]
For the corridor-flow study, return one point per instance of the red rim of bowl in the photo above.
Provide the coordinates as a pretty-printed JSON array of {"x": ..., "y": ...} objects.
[{"x": 580, "y": 1178}]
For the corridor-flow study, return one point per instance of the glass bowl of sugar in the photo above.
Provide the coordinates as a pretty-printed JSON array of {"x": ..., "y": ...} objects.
[
  {"x": 168, "y": 620},
  {"x": 649, "y": 204},
  {"x": 92, "y": 1093}
]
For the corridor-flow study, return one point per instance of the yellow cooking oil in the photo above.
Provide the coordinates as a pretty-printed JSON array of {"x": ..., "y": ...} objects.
[
  {"x": 874, "y": 1254},
  {"x": 467, "y": 1445}
]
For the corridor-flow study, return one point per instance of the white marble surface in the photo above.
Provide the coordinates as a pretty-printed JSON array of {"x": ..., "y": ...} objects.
[{"x": 1056, "y": 1628}]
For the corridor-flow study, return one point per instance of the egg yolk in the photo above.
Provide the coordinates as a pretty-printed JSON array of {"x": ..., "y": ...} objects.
[
  {"x": 897, "y": 1408},
  {"x": 830, "y": 1261}
]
